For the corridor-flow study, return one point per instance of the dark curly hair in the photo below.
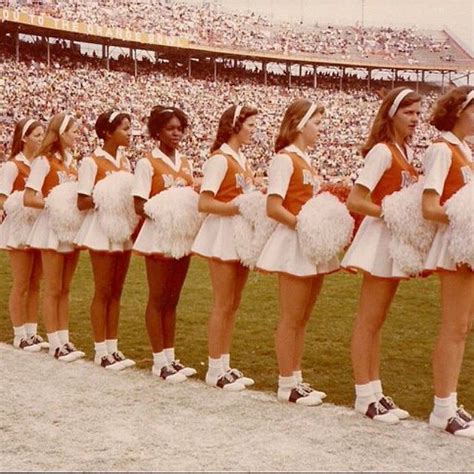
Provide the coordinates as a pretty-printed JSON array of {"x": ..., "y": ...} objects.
[
  {"x": 446, "y": 108},
  {"x": 161, "y": 115},
  {"x": 104, "y": 126},
  {"x": 225, "y": 129}
]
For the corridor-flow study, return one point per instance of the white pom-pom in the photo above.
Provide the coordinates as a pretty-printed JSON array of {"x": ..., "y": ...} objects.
[
  {"x": 251, "y": 228},
  {"x": 175, "y": 215},
  {"x": 65, "y": 218},
  {"x": 20, "y": 217},
  {"x": 324, "y": 228},
  {"x": 460, "y": 210},
  {"x": 116, "y": 212},
  {"x": 411, "y": 234}
]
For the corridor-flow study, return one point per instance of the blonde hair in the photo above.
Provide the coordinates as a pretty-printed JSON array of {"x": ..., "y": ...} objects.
[
  {"x": 289, "y": 126},
  {"x": 52, "y": 141}
]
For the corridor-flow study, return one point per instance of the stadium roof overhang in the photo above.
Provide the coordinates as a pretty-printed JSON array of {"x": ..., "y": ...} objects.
[{"x": 213, "y": 52}]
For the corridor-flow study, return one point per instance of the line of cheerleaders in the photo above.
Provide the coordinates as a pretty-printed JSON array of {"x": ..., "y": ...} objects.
[{"x": 41, "y": 160}]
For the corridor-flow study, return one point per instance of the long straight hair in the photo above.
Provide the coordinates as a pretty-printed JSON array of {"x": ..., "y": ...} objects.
[
  {"x": 52, "y": 141},
  {"x": 289, "y": 126},
  {"x": 17, "y": 142},
  {"x": 382, "y": 128}
]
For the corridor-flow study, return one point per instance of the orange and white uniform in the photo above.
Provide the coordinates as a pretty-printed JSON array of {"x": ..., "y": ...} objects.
[
  {"x": 92, "y": 170},
  {"x": 448, "y": 167},
  {"x": 46, "y": 173},
  {"x": 386, "y": 170},
  {"x": 13, "y": 176},
  {"x": 292, "y": 177},
  {"x": 227, "y": 174},
  {"x": 153, "y": 174}
]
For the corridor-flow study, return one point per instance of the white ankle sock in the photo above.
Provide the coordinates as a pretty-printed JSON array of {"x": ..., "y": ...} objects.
[
  {"x": 377, "y": 389},
  {"x": 54, "y": 341},
  {"x": 19, "y": 332},
  {"x": 454, "y": 398},
  {"x": 169, "y": 353},
  {"x": 444, "y": 407},
  {"x": 100, "y": 349},
  {"x": 215, "y": 368},
  {"x": 112, "y": 345},
  {"x": 286, "y": 383},
  {"x": 64, "y": 336},
  {"x": 31, "y": 329},
  {"x": 225, "y": 359},
  {"x": 364, "y": 396},
  {"x": 298, "y": 374},
  {"x": 159, "y": 360}
]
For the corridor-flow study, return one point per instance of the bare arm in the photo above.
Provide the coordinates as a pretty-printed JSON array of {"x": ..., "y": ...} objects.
[
  {"x": 209, "y": 204},
  {"x": 276, "y": 211},
  {"x": 359, "y": 202},
  {"x": 33, "y": 198},
  {"x": 431, "y": 207},
  {"x": 84, "y": 202}
]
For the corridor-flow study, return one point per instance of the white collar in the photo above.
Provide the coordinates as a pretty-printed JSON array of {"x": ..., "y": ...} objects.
[
  {"x": 175, "y": 165},
  {"x": 454, "y": 140},
  {"x": 22, "y": 158},
  {"x": 116, "y": 161},
  {"x": 294, "y": 149},
  {"x": 239, "y": 157},
  {"x": 67, "y": 161}
]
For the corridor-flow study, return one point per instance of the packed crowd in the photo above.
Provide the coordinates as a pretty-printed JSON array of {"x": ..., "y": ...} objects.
[
  {"x": 86, "y": 90},
  {"x": 203, "y": 24}
]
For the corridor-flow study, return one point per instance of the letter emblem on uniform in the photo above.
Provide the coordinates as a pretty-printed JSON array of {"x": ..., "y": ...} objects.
[
  {"x": 407, "y": 179},
  {"x": 168, "y": 180}
]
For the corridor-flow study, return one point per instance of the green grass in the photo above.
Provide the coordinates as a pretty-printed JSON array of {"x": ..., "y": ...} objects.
[{"x": 408, "y": 334}]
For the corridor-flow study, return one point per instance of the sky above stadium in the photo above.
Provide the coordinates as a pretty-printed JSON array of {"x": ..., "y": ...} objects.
[{"x": 455, "y": 15}]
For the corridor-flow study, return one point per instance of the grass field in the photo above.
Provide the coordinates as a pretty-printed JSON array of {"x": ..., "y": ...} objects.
[{"x": 408, "y": 335}]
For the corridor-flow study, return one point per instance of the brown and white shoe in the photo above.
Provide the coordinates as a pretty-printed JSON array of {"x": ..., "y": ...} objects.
[
  {"x": 377, "y": 412},
  {"x": 37, "y": 339},
  {"x": 454, "y": 425},
  {"x": 237, "y": 375},
  {"x": 63, "y": 354},
  {"x": 179, "y": 367},
  {"x": 298, "y": 395},
  {"x": 119, "y": 357},
  {"x": 464, "y": 414},
  {"x": 169, "y": 374},
  {"x": 25, "y": 344},
  {"x": 72, "y": 350},
  {"x": 108, "y": 362}
]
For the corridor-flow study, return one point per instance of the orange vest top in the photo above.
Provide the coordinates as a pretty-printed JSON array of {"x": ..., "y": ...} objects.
[
  {"x": 400, "y": 175},
  {"x": 105, "y": 167},
  {"x": 59, "y": 173},
  {"x": 164, "y": 176},
  {"x": 457, "y": 175},
  {"x": 236, "y": 179},
  {"x": 23, "y": 172},
  {"x": 304, "y": 184}
]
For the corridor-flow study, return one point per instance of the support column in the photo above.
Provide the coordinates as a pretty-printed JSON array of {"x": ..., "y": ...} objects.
[
  {"x": 17, "y": 46},
  {"x": 189, "y": 66},
  {"x": 135, "y": 63},
  {"x": 215, "y": 69},
  {"x": 315, "y": 76},
  {"x": 288, "y": 70},
  {"x": 48, "y": 53},
  {"x": 264, "y": 68}
]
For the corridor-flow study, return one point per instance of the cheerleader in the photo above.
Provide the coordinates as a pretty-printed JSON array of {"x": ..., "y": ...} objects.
[
  {"x": 387, "y": 169},
  {"x": 227, "y": 174},
  {"x": 292, "y": 181},
  {"x": 110, "y": 260},
  {"x": 52, "y": 167},
  {"x": 163, "y": 168},
  {"x": 448, "y": 167},
  {"x": 25, "y": 263}
]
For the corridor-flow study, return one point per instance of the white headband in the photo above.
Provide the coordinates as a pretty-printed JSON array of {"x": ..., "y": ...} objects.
[
  {"x": 166, "y": 110},
  {"x": 114, "y": 115},
  {"x": 64, "y": 124},
  {"x": 469, "y": 97},
  {"x": 306, "y": 117},
  {"x": 396, "y": 103},
  {"x": 237, "y": 112},
  {"x": 27, "y": 125}
]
